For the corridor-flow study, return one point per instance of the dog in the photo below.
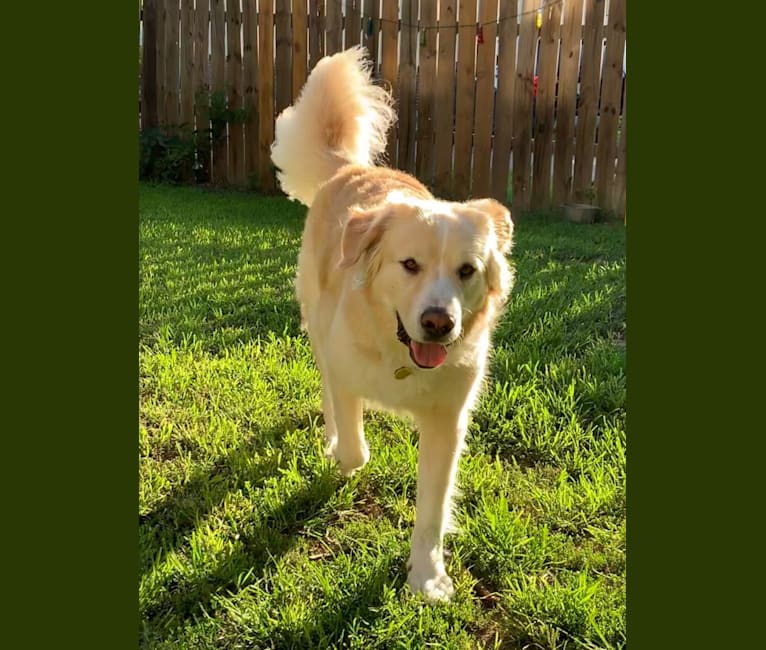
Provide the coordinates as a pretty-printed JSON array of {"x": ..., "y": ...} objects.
[{"x": 399, "y": 291}]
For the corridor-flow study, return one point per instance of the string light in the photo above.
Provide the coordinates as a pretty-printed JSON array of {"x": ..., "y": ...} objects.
[{"x": 476, "y": 25}]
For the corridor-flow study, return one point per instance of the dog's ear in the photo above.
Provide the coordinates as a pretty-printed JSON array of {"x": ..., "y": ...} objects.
[
  {"x": 500, "y": 217},
  {"x": 499, "y": 276},
  {"x": 363, "y": 229}
]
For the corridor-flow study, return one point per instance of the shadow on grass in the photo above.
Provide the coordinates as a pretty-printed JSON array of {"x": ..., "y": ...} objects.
[
  {"x": 166, "y": 526},
  {"x": 259, "y": 547},
  {"x": 332, "y": 623}
]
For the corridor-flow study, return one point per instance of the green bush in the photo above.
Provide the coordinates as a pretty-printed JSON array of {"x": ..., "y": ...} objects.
[{"x": 178, "y": 153}]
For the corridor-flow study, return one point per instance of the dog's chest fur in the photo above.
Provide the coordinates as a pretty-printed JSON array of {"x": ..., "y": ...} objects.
[{"x": 372, "y": 372}]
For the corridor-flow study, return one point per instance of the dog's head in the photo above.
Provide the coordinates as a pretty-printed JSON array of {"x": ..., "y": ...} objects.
[{"x": 438, "y": 267}]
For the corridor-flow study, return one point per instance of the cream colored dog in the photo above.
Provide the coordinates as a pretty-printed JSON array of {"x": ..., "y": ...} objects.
[{"x": 399, "y": 291}]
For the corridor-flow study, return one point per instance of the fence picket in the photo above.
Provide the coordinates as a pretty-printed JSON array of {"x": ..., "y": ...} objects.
[
  {"x": 485, "y": 98},
  {"x": 522, "y": 107},
  {"x": 566, "y": 100},
  {"x": 353, "y": 23},
  {"x": 161, "y": 60},
  {"x": 333, "y": 27},
  {"x": 250, "y": 65},
  {"x": 283, "y": 57},
  {"x": 266, "y": 178},
  {"x": 218, "y": 83},
  {"x": 609, "y": 108},
  {"x": 187, "y": 62},
  {"x": 172, "y": 114},
  {"x": 587, "y": 109},
  {"x": 316, "y": 32},
  {"x": 545, "y": 100},
  {"x": 236, "y": 171},
  {"x": 406, "y": 105},
  {"x": 388, "y": 68},
  {"x": 426, "y": 83},
  {"x": 371, "y": 31},
  {"x": 466, "y": 86},
  {"x": 619, "y": 181},
  {"x": 300, "y": 51},
  {"x": 506, "y": 82},
  {"x": 149, "y": 66},
  {"x": 444, "y": 119}
]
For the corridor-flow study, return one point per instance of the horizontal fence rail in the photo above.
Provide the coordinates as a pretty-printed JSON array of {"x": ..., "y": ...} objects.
[{"x": 521, "y": 100}]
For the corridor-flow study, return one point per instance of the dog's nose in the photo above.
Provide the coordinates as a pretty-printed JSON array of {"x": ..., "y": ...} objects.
[{"x": 436, "y": 321}]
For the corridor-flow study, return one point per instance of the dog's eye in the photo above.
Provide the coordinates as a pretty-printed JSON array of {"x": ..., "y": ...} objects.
[
  {"x": 466, "y": 271},
  {"x": 410, "y": 265}
]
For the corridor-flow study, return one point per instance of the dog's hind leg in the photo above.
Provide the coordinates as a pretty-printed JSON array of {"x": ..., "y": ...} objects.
[
  {"x": 348, "y": 447},
  {"x": 331, "y": 431},
  {"x": 441, "y": 440}
]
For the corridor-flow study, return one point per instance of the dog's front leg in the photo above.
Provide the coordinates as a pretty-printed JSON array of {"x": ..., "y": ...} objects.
[
  {"x": 441, "y": 440},
  {"x": 348, "y": 445}
]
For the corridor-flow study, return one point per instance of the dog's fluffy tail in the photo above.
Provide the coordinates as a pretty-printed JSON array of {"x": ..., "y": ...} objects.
[{"x": 341, "y": 117}]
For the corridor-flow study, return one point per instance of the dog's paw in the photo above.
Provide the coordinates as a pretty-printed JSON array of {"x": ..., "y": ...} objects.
[
  {"x": 349, "y": 460},
  {"x": 435, "y": 585}
]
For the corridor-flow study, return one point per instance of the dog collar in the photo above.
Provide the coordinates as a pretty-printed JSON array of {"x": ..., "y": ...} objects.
[
  {"x": 401, "y": 334},
  {"x": 403, "y": 372}
]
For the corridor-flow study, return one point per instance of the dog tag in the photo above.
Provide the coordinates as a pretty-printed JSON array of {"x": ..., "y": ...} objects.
[{"x": 403, "y": 372}]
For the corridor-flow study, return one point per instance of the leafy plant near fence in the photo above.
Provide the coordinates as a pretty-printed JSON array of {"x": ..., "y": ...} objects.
[{"x": 179, "y": 153}]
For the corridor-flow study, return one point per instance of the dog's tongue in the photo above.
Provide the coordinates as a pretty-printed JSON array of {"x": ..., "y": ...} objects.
[{"x": 428, "y": 355}]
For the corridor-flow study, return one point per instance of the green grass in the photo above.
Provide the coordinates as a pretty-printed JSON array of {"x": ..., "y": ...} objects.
[{"x": 248, "y": 538}]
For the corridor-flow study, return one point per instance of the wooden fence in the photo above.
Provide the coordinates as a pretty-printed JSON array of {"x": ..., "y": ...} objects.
[{"x": 505, "y": 98}]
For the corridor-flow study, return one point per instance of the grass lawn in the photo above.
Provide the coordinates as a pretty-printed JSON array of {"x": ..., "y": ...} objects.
[{"x": 248, "y": 538}]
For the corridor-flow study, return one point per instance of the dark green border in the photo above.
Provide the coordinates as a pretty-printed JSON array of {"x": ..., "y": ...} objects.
[
  {"x": 691, "y": 236},
  {"x": 70, "y": 248},
  {"x": 71, "y": 306}
]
